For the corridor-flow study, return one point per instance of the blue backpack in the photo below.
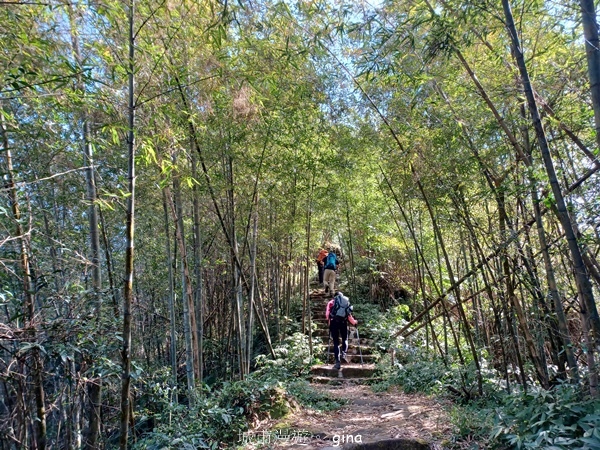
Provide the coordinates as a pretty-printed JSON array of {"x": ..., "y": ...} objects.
[{"x": 331, "y": 261}]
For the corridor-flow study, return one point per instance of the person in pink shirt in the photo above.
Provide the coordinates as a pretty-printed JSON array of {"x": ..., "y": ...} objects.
[{"x": 338, "y": 313}]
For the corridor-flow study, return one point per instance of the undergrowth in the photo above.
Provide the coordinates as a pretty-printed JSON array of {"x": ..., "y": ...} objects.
[
  {"x": 564, "y": 417},
  {"x": 219, "y": 417},
  {"x": 560, "y": 418}
]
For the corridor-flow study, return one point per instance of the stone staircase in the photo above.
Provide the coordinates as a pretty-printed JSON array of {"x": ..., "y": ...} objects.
[{"x": 360, "y": 355}]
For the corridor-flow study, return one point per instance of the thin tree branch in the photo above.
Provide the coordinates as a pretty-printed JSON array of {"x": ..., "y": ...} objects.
[{"x": 26, "y": 183}]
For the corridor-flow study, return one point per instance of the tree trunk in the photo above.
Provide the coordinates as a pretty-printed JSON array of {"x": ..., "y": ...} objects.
[
  {"x": 540, "y": 368},
  {"x": 350, "y": 248},
  {"x": 584, "y": 286},
  {"x": 95, "y": 385},
  {"x": 251, "y": 306},
  {"x": 29, "y": 301},
  {"x": 198, "y": 256},
  {"x": 592, "y": 51},
  {"x": 171, "y": 297},
  {"x": 238, "y": 300},
  {"x": 186, "y": 287},
  {"x": 109, "y": 269},
  {"x": 419, "y": 253},
  {"x": 561, "y": 320},
  {"x": 590, "y": 356},
  {"x": 129, "y": 236},
  {"x": 461, "y": 310},
  {"x": 488, "y": 283},
  {"x": 545, "y": 322}
]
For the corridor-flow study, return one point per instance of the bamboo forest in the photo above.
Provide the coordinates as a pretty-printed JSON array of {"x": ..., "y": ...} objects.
[{"x": 299, "y": 224}]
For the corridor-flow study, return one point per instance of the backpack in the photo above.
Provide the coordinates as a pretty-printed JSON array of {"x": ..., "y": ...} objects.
[
  {"x": 321, "y": 256},
  {"x": 331, "y": 261},
  {"x": 341, "y": 307}
]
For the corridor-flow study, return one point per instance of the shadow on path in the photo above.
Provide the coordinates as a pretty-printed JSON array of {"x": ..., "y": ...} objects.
[{"x": 370, "y": 421}]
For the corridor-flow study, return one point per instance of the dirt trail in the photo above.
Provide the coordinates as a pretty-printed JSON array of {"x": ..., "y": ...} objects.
[
  {"x": 374, "y": 416},
  {"x": 367, "y": 417}
]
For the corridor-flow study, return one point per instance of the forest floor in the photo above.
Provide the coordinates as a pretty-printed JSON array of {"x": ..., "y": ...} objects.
[{"x": 374, "y": 416}]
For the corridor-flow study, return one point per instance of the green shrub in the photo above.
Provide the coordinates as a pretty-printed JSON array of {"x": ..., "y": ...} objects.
[
  {"x": 307, "y": 396},
  {"x": 256, "y": 398},
  {"x": 556, "y": 419},
  {"x": 419, "y": 373},
  {"x": 292, "y": 359},
  {"x": 384, "y": 326},
  {"x": 471, "y": 424},
  {"x": 223, "y": 414},
  {"x": 204, "y": 425}
]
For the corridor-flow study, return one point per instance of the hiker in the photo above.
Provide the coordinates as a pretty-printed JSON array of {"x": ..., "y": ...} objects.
[
  {"x": 338, "y": 314},
  {"x": 321, "y": 263},
  {"x": 331, "y": 264}
]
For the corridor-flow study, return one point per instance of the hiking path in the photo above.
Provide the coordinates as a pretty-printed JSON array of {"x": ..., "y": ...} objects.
[{"x": 368, "y": 419}]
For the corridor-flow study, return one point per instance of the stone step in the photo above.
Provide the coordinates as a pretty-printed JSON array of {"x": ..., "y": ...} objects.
[
  {"x": 318, "y": 293},
  {"x": 346, "y": 371},
  {"x": 323, "y": 324},
  {"x": 352, "y": 350},
  {"x": 355, "y": 371},
  {"x": 326, "y": 380},
  {"x": 324, "y": 334},
  {"x": 324, "y": 339},
  {"x": 319, "y": 318},
  {"x": 339, "y": 381},
  {"x": 364, "y": 342},
  {"x": 320, "y": 321},
  {"x": 353, "y": 359},
  {"x": 353, "y": 347}
]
